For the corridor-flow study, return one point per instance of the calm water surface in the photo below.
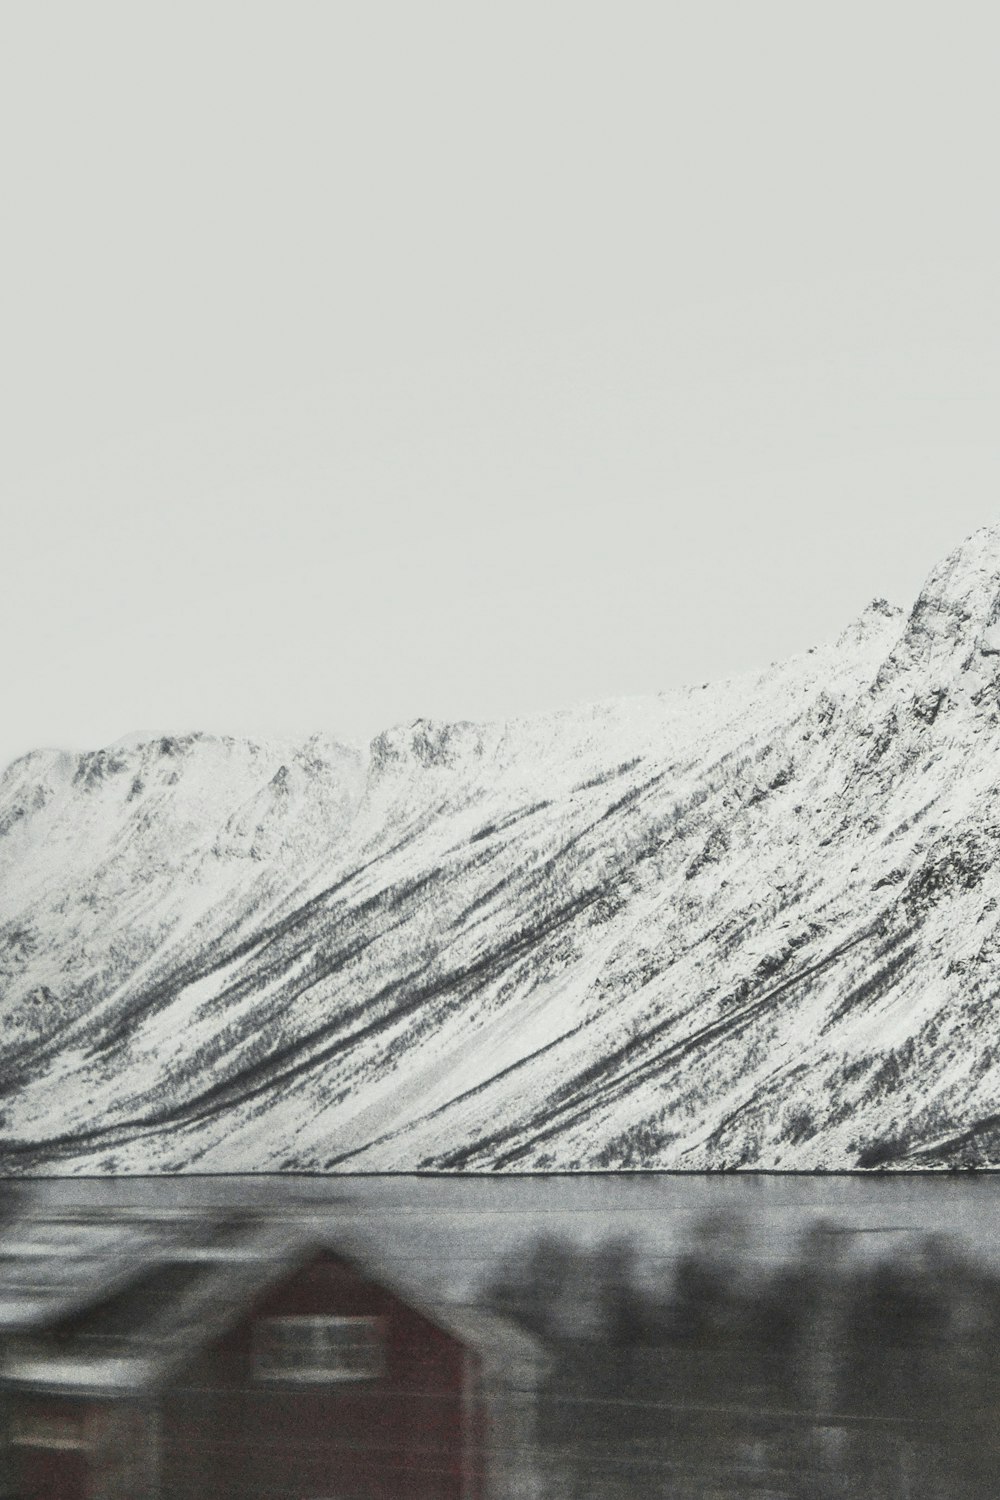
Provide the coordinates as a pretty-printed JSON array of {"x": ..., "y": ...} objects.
[{"x": 450, "y": 1231}]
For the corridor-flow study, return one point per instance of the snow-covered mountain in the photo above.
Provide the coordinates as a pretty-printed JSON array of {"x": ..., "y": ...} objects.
[{"x": 749, "y": 924}]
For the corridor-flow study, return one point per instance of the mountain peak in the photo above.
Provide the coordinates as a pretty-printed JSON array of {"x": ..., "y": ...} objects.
[
  {"x": 872, "y": 625},
  {"x": 954, "y": 621},
  {"x": 967, "y": 581},
  {"x": 428, "y": 743}
]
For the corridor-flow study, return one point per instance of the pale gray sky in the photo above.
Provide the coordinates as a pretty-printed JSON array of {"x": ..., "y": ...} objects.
[{"x": 368, "y": 360}]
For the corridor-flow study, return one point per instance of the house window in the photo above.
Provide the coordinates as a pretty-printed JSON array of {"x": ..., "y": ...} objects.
[
  {"x": 319, "y": 1349},
  {"x": 47, "y": 1430}
]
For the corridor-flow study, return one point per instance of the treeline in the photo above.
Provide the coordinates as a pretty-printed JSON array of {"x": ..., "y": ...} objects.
[{"x": 843, "y": 1371}]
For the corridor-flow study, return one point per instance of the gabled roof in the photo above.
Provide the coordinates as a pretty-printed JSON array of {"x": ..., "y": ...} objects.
[
  {"x": 115, "y": 1303},
  {"x": 53, "y": 1262}
]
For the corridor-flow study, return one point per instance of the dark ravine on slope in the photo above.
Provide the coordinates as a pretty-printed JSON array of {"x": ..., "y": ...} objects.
[{"x": 750, "y": 925}]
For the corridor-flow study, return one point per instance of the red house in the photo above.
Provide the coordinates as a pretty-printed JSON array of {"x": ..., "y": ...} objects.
[{"x": 176, "y": 1358}]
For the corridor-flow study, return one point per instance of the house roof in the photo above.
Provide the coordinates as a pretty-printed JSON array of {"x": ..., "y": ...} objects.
[
  {"x": 51, "y": 1263},
  {"x": 113, "y": 1302}
]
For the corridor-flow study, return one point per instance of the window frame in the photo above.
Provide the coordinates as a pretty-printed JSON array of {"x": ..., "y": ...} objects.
[{"x": 325, "y": 1367}]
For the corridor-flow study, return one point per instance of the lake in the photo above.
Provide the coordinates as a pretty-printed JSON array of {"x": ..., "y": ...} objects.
[{"x": 449, "y": 1232}]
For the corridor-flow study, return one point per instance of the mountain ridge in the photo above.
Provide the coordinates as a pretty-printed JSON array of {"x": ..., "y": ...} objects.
[{"x": 750, "y": 924}]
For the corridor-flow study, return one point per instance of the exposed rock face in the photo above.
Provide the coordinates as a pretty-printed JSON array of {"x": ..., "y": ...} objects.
[{"x": 748, "y": 925}]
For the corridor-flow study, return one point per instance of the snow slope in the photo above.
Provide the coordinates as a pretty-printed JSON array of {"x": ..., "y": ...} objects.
[{"x": 752, "y": 924}]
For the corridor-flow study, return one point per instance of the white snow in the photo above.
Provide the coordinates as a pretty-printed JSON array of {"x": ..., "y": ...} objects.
[{"x": 748, "y": 923}]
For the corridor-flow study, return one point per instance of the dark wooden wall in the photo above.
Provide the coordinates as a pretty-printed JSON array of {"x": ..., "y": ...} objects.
[{"x": 410, "y": 1434}]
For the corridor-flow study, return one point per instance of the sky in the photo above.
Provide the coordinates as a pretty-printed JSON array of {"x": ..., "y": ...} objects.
[{"x": 367, "y": 361}]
